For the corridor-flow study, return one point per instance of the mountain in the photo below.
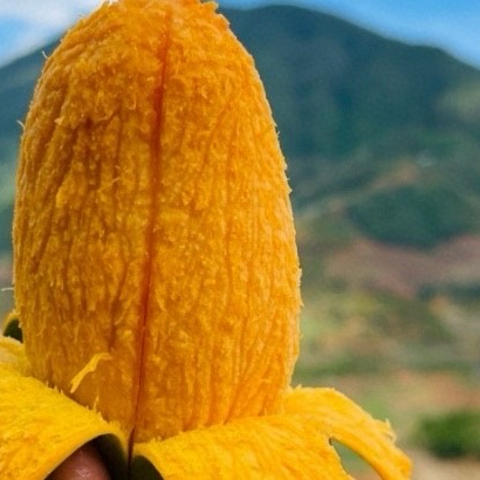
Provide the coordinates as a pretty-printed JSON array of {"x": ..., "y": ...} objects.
[
  {"x": 336, "y": 88},
  {"x": 17, "y": 81},
  {"x": 382, "y": 138},
  {"x": 351, "y": 107}
]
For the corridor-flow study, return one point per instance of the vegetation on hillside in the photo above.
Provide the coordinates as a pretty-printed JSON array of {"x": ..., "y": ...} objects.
[
  {"x": 452, "y": 434},
  {"x": 349, "y": 106},
  {"x": 415, "y": 216}
]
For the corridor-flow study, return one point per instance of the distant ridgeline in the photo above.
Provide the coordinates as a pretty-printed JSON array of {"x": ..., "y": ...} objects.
[{"x": 388, "y": 132}]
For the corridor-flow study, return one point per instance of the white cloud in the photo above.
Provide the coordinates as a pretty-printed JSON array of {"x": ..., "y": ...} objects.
[
  {"x": 37, "y": 22},
  {"x": 52, "y": 13}
]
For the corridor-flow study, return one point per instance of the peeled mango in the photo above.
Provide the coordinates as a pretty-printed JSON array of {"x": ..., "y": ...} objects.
[{"x": 156, "y": 272}]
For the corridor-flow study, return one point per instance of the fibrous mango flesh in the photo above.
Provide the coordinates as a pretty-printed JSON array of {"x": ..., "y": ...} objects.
[{"x": 156, "y": 274}]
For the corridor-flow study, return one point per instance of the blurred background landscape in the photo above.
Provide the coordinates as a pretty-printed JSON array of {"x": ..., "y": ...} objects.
[{"x": 382, "y": 139}]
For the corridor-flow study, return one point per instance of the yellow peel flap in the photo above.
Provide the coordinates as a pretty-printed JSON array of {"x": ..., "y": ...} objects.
[
  {"x": 39, "y": 426},
  {"x": 294, "y": 444},
  {"x": 12, "y": 354}
]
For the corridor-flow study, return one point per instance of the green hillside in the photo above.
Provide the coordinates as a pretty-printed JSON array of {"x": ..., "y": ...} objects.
[
  {"x": 355, "y": 111},
  {"x": 17, "y": 81},
  {"x": 352, "y": 109},
  {"x": 337, "y": 89}
]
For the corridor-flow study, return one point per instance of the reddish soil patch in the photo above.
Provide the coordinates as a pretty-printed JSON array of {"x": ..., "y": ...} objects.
[
  {"x": 403, "y": 397},
  {"x": 403, "y": 271},
  {"x": 6, "y": 293},
  {"x": 426, "y": 467},
  {"x": 5, "y": 271},
  {"x": 409, "y": 394}
]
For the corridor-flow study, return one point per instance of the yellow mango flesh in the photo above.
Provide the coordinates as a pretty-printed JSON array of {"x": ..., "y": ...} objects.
[{"x": 156, "y": 274}]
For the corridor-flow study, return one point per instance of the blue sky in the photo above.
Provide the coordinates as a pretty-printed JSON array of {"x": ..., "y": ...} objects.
[{"x": 453, "y": 25}]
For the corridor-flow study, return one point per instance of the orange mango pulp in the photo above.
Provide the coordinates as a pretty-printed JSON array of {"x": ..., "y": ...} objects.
[{"x": 156, "y": 273}]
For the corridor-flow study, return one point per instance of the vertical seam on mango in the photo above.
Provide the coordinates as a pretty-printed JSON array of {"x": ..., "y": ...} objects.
[{"x": 155, "y": 162}]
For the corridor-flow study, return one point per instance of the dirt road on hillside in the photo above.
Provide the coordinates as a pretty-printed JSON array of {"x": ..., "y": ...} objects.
[
  {"x": 427, "y": 467},
  {"x": 430, "y": 468}
]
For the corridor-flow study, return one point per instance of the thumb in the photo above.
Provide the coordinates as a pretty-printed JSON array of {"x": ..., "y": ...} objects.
[{"x": 84, "y": 464}]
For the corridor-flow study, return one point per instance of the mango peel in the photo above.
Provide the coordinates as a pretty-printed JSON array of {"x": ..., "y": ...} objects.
[{"x": 156, "y": 273}]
